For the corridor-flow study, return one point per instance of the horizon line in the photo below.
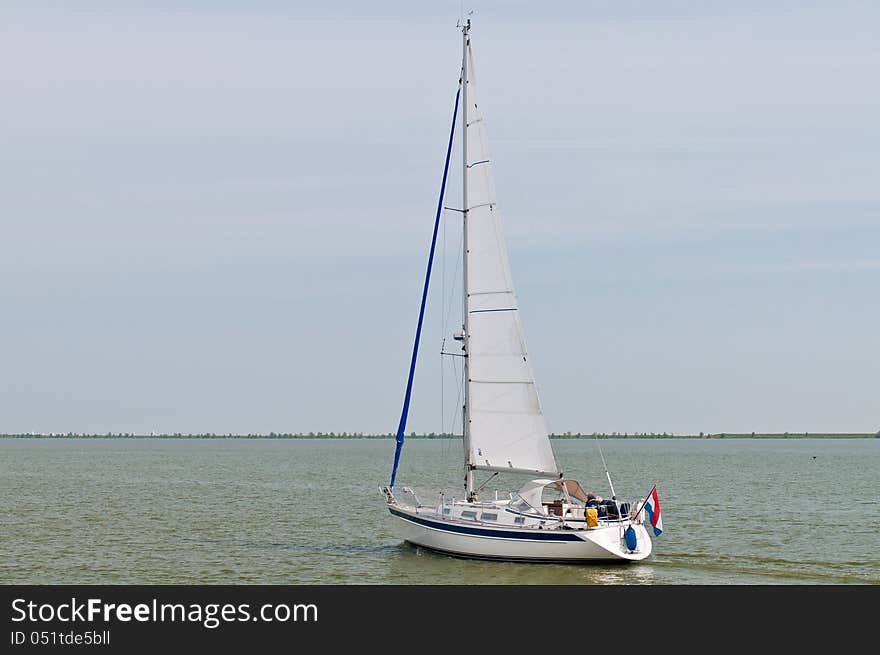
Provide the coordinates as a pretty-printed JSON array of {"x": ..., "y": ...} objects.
[{"x": 425, "y": 435}]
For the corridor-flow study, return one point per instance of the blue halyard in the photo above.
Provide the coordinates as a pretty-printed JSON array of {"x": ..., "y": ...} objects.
[{"x": 412, "y": 365}]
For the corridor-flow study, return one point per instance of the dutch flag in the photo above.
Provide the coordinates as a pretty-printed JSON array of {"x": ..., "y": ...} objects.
[{"x": 652, "y": 506}]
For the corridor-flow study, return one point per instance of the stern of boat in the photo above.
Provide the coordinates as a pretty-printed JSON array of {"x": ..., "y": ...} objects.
[{"x": 613, "y": 540}]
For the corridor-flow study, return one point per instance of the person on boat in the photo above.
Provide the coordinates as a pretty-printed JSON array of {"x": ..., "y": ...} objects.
[{"x": 611, "y": 508}]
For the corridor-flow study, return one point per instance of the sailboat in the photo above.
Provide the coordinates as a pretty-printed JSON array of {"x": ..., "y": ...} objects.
[{"x": 548, "y": 517}]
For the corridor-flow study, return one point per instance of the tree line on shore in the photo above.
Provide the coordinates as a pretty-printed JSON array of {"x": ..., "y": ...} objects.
[{"x": 436, "y": 435}]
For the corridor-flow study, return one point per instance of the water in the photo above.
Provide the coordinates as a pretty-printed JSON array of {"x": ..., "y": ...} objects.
[{"x": 162, "y": 511}]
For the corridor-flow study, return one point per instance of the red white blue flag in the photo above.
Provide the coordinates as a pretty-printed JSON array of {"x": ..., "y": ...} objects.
[{"x": 652, "y": 507}]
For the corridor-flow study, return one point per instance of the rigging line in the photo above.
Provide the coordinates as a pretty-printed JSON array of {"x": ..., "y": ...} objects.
[
  {"x": 442, "y": 326},
  {"x": 457, "y": 406},
  {"x": 401, "y": 427},
  {"x": 452, "y": 287},
  {"x": 607, "y": 474},
  {"x": 442, "y": 392},
  {"x": 445, "y": 313},
  {"x": 445, "y": 447},
  {"x": 485, "y": 482},
  {"x": 458, "y": 400}
]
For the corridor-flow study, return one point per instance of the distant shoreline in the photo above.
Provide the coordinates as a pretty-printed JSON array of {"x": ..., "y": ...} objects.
[{"x": 346, "y": 435}]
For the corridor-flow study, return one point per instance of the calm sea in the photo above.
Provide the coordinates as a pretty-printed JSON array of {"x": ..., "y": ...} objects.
[{"x": 735, "y": 511}]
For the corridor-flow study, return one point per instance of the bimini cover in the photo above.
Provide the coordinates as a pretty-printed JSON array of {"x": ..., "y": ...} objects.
[
  {"x": 533, "y": 490},
  {"x": 574, "y": 489}
]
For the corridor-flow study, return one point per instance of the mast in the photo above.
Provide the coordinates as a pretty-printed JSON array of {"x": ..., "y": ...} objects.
[{"x": 466, "y": 413}]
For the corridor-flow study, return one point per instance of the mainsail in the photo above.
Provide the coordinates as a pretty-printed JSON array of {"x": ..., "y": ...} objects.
[{"x": 506, "y": 429}]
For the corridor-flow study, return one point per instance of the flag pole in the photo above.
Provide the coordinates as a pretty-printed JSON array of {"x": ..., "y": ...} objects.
[{"x": 645, "y": 501}]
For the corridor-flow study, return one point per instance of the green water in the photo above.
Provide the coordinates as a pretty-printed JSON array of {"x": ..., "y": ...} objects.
[{"x": 735, "y": 511}]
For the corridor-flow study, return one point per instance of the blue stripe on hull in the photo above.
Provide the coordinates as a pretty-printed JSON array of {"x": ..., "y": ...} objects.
[
  {"x": 512, "y": 558},
  {"x": 535, "y": 535}
]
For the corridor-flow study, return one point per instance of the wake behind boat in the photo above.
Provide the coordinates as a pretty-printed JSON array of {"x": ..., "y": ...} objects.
[{"x": 549, "y": 517}]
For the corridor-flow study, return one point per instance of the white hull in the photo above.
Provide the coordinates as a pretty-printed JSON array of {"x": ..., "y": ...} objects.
[{"x": 600, "y": 544}]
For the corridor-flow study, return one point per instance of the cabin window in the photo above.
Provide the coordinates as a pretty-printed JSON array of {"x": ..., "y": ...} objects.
[
  {"x": 489, "y": 517},
  {"x": 467, "y": 514},
  {"x": 519, "y": 519}
]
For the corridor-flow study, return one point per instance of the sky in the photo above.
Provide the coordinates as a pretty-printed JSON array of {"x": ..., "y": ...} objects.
[{"x": 215, "y": 216}]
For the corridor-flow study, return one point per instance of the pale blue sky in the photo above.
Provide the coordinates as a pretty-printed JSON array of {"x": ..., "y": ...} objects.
[{"x": 215, "y": 215}]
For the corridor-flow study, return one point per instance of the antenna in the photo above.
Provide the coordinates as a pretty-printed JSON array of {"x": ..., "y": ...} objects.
[
  {"x": 460, "y": 22},
  {"x": 607, "y": 474}
]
